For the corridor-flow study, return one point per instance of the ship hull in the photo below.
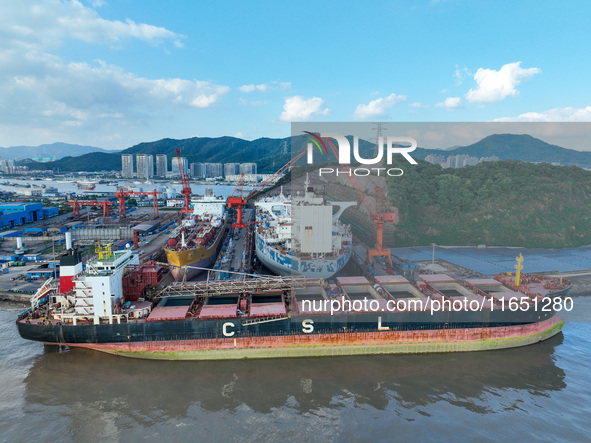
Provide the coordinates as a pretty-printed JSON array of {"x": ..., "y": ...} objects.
[
  {"x": 346, "y": 344},
  {"x": 199, "y": 257},
  {"x": 341, "y": 334},
  {"x": 284, "y": 264}
]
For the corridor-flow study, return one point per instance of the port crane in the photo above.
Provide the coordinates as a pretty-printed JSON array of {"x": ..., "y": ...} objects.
[
  {"x": 122, "y": 195},
  {"x": 155, "y": 200},
  {"x": 237, "y": 199},
  {"x": 380, "y": 214},
  {"x": 186, "y": 191}
]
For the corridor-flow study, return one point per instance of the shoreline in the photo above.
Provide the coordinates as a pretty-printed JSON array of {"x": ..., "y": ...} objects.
[{"x": 14, "y": 297}]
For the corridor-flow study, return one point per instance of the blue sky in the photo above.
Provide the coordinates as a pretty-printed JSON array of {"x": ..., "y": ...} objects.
[{"x": 115, "y": 73}]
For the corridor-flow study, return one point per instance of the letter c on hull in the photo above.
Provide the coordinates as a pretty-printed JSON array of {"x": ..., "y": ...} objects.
[{"x": 225, "y": 329}]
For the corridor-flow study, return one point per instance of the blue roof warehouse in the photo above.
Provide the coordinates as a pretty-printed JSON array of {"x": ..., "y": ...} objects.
[{"x": 16, "y": 214}]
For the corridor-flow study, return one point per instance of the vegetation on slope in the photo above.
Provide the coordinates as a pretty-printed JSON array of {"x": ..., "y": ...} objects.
[{"x": 497, "y": 203}]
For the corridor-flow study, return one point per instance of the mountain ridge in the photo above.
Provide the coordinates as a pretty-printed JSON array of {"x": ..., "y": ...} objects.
[
  {"x": 57, "y": 149},
  {"x": 270, "y": 154}
]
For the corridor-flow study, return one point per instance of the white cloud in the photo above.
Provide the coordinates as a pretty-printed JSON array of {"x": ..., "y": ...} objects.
[
  {"x": 42, "y": 24},
  {"x": 252, "y": 87},
  {"x": 460, "y": 74},
  {"x": 568, "y": 114},
  {"x": 450, "y": 103},
  {"x": 377, "y": 107},
  {"x": 418, "y": 105},
  {"x": 264, "y": 87},
  {"x": 45, "y": 96},
  {"x": 44, "y": 92},
  {"x": 494, "y": 86},
  {"x": 298, "y": 108}
]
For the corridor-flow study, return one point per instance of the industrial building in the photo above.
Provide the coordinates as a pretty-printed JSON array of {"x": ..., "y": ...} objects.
[{"x": 16, "y": 214}]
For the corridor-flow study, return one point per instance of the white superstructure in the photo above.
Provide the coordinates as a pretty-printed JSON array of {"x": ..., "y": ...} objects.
[
  {"x": 301, "y": 235},
  {"x": 97, "y": 290}
]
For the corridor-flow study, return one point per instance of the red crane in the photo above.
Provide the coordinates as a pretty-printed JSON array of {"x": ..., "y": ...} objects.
[
  {"x": 76, "y": 206},
  {"x": 381, "y": 214},
  {"x": 121, "y": 195},
  {"x": 155, "y": 194},
  {"x": 186, "y": 191},
  {"x": 239, "y": 202}
]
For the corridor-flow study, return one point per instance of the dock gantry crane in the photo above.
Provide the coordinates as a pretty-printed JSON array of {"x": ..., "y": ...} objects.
[
  {"x": 76, "y": 206},
  {"x": 122, "y": 195}
]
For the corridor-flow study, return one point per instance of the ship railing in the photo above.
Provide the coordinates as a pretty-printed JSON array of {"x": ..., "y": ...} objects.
[{"x": 255, "y": 321}]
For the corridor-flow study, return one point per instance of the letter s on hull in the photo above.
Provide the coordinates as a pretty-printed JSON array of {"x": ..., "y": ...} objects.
[
  {"x": 225, "y": 329},
  {"x": 307, "y": 326}
]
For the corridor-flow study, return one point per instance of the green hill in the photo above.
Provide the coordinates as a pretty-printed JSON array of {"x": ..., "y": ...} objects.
[
  {"x": 496, "y": 203},
  {"x": 270, "y": 156},
  {"x": 267, "y": 152}
]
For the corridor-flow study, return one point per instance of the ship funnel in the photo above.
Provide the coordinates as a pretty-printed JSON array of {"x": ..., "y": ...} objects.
[
  {"x": 19, "y": 242},
  {"x": 68, "y": 240}
]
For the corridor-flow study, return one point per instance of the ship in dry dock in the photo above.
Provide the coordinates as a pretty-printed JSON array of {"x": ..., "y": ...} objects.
[
  {"x": 103, "y": 308},
  {"x": 301, "y": 236},
  {"x": 195, "y": 243}
]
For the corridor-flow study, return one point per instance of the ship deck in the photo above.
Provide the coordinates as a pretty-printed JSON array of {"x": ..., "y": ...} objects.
[{"x": 281, "y": 297}]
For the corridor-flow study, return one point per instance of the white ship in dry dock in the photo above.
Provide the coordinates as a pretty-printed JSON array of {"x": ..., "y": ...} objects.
[{"x": 301, "y": 236}]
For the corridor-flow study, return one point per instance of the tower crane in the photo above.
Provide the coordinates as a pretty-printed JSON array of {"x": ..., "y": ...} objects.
[{"x": 186, "y": 191}]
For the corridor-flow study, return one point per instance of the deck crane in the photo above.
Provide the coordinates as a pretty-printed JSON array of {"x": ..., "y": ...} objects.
[
  {"x": 186, "y": 191},
  {"x": 239, "y": 201},
  {"x": 381, "y": 214}
]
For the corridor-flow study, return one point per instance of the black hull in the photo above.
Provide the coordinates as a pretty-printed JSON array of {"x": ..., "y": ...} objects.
[{"x": 295, "y": 325}]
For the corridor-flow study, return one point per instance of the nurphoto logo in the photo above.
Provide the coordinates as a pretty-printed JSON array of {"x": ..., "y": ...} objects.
[{"x": 393, "y": 145}]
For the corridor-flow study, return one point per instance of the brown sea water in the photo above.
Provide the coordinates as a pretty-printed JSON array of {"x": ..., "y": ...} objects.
[{"x": 538, "y": 392}]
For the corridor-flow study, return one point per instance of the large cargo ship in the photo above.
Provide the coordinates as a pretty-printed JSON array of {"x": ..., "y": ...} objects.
[
  {"x": 301, "y": 236},
  {"x": 195, "y": 243},
  {"x": 288, "y": 317}
]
